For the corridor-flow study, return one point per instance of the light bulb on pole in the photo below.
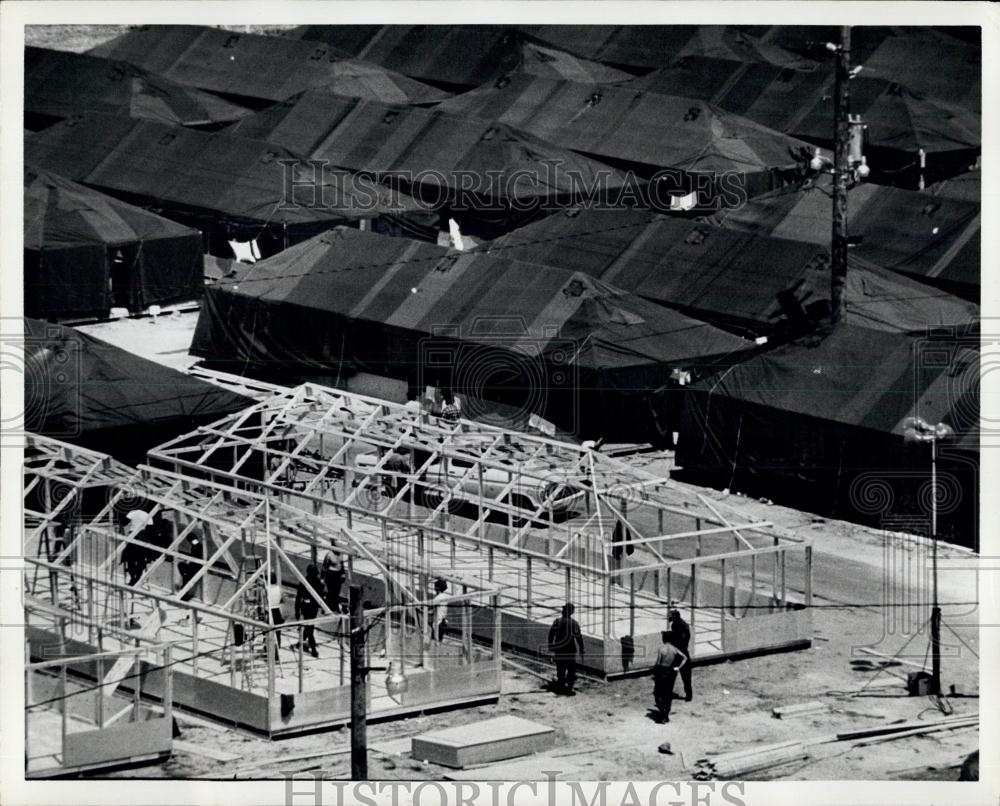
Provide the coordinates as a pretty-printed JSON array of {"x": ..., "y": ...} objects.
[{"x": 916, "y": 429}]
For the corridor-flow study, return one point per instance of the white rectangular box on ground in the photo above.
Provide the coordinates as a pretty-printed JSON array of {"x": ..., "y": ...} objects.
[{"x": 483, "y": 742}]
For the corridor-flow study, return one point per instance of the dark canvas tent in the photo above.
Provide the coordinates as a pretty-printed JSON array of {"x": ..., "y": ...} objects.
[
  {"x": 900, "y": 122},
  {"x": 255, "y": 68},
  {"x": 76, "y": 240},
  {"x": 938, "y": 61},
  {"x": 819, "y": 424},
  {"x": 229, "y": 186},
  {"x": 82, "y": 390},
  {"x": 642, "y": 47},
  {"x": 58, "y": 84},
  {"x": 648, "y": 132},
  {"x": 930, "y": 237},
  {"x": 489, "y": 176},
  {"x": 584, "y": 355},
  {"x": 739, "y": 280},
  {"x": 457, "y": 56}
]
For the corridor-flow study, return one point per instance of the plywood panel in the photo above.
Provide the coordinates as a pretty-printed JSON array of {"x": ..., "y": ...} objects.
[{"x": 483, "y": 742}]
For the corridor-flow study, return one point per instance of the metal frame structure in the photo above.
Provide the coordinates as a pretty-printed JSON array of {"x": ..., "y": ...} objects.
[
  {"x": 228, "y": 658},
  {"x": 545, "y": 521},
  {"x": 73, "y": 726}
]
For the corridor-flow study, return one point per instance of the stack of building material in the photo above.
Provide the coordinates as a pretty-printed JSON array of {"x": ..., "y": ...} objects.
[{"x": 483, "y": 742}]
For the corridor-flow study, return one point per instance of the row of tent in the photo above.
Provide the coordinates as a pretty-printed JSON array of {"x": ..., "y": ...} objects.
[{"x": 586, "y": 306}]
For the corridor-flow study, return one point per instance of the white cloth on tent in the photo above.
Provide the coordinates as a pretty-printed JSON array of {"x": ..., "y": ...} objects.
[
  {"x": 245, "y": 251},
  {"x": 688, "y": 202},
  {"x": 456, "y": 235}
]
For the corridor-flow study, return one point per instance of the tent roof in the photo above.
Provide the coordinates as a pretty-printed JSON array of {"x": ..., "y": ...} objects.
[
  {"x": 60, "y": 214},
  {"x": 374, "y": 137},
  {"x": 720, "y": 275},
  {"x": 108, "y": 388},
  {"x": 622, "y": 124},
  {"x": 904, "y": 230},
  {"x": 415, "y": 286},
  {"x": 938, "y": 61},
  {"x": 652, "y": 46},
  {"x": 60, "y": 83},
  {"x": 257, "y": 66},
  {"x": 463, "y": 55},
  {"x": 858, "y": 377},
  {"x": 801, "y": 103},
  {"x": 238, "y": 177}
]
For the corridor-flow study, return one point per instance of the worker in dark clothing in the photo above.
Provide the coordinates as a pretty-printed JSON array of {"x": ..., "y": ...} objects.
[
  {"x": 564, "y": 638},
  {"x": 134, "y": 557},
  {"x": 334, "y": 574},
  {"x": 680, "y": 637},
  {"x": 668, "y": 660},
  {"x": 307, "y": 606}
]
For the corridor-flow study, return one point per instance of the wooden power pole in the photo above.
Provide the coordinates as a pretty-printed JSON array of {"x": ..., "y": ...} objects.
[
  {"x": 359, "y": 701},
  {"x": 841, "y": 168}
]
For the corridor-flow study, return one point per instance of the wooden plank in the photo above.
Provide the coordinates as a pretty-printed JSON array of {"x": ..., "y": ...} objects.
[
  {"x": 482, "y": 742},
  {"x": 899, "y": 727}
]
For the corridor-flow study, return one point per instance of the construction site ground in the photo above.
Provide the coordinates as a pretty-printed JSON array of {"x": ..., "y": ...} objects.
[
  {"x": 866, "y": 593},
  {"x": 606, "y": 731}
]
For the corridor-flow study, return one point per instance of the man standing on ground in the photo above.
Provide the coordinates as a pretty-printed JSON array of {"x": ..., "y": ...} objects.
[
  {"x": 564, "y": 638},
  {"x": 307, "y": 607},
  {"x": 680, "y": 637},
  {"x": 668, "y": 660}
]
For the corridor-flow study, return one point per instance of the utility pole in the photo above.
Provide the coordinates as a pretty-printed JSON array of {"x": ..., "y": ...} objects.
[
  {"x": 935, "y": 606},
  {"x": 359, "y": 701},
  {"x": 841, "y": 168}
]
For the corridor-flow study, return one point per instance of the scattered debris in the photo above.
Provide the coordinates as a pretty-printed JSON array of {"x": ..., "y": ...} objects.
[
  {"x": 207, "y": 752},
  {"x": 742, "y": 762},
  {"x": 788, "y": 711}
]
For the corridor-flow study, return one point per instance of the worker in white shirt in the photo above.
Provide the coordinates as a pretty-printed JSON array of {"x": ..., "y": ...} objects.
[
  {"x": 439, "y": 610},
  {"x": 274, "y": 596}
]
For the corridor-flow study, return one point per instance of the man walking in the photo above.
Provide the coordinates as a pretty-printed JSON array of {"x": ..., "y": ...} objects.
[
  {"x": 564, "y": 638},
  {"x": 680, "y": 637},
  {"x": 668, "y": 660}
]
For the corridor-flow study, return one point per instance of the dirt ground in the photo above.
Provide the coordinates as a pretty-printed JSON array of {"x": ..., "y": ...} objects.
[{"x": 733, "y": 700}]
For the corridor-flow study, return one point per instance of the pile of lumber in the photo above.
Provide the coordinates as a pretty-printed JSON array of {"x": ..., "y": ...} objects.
[{"x": 734, "y": 765}]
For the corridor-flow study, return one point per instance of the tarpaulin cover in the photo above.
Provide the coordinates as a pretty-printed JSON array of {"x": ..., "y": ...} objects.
[
  {"x": 353, "y": 300},
  {"x": 220, "y": 173},
  {"x": 457, "y": 55},
  {"x": 70, "y": 232},
  {"x": 645, "y": 128},
  {"x": 433, "y": 149},
  {"x": 928, "y": 236},
  {"x": 730, "y": 278},
  {"x": 58, "y": 83},
  {"x": 938, "y": 61},
  {"x": 801, "y": 103},
  {"x": 256, "y": 66},
  {"x": 651, "y": 46},
  {"x": 85, "y": 391},
  {"x": 819, "y": 423}
]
